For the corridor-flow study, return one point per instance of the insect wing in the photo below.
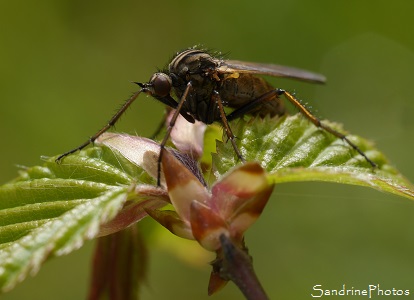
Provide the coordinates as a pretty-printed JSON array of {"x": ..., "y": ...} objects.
[{"x": 236, "y": 66}]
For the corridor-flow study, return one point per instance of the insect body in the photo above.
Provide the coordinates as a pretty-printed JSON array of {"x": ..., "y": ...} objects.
[{"x": 204, "y": 85}]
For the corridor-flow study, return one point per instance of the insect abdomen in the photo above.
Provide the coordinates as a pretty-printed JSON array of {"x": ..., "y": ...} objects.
[{"x": 237, "y": 92}]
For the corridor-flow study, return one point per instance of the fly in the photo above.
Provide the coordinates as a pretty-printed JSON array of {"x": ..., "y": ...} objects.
[{"x": 204, "y": 85}]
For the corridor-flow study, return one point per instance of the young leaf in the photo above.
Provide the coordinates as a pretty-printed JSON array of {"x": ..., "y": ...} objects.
[
  {"x": 119, "y": 266},
  {"x": 290, "y": 148},
  {"x": 53, "y": 209}
]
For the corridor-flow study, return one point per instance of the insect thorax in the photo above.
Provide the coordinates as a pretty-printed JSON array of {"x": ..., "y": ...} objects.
[{"x": 196, "y": 66}]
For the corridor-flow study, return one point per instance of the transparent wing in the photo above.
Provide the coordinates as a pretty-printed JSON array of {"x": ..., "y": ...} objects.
[{"x": 236, "y": 66}]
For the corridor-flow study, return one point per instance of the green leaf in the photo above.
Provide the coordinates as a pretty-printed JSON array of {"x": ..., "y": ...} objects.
[
  {"x": 291, "y": 148},
  {"x": 52, "y": 209}
]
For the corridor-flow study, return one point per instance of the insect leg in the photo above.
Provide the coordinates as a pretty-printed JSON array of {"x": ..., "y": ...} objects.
[
  {"x": 161, "y": 125},
  {"x": 111, "y": 123},
  {"x": 319, "y": 124},
  {"x": 247, "y": 108},
  {"x": 226, "y": 125},
  {"x": 272, "y": 96},
  {"x": 169, "y": 128}
]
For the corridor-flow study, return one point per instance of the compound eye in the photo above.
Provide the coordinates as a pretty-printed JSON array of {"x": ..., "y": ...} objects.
[{"x": 161, "y": 84}]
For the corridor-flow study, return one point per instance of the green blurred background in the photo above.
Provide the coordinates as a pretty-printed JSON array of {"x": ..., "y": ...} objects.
[{"x": 67, "y": 65}]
